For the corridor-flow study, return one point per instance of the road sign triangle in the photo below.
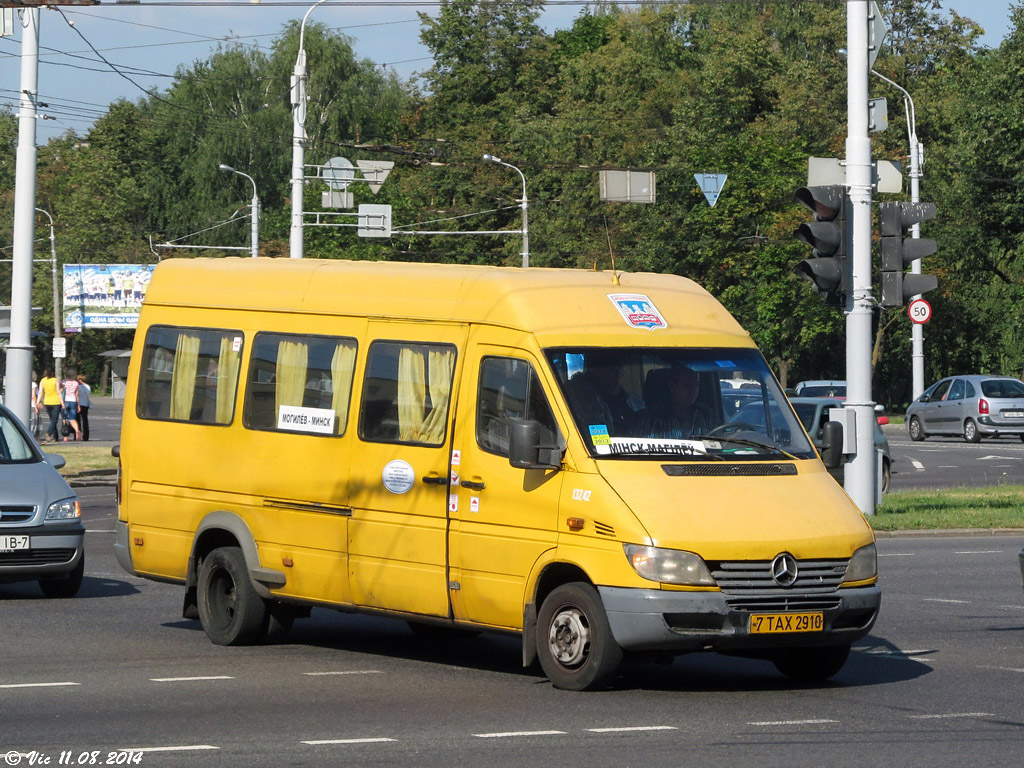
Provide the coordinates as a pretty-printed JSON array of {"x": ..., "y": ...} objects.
[
  {"x": 711, "y": 185},
  {"x": 375, "y": 172}
]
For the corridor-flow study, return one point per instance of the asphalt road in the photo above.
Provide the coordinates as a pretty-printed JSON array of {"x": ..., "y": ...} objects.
[
  {"x": 949, "y": 462},
  {"x": 939, "y": 682}
]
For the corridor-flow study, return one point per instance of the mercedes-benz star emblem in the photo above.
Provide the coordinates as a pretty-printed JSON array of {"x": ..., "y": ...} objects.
[{"x": 784, "y": 569}]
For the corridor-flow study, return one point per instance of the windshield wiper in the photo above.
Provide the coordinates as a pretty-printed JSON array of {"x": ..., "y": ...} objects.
[{"x": 751, "y": 443}]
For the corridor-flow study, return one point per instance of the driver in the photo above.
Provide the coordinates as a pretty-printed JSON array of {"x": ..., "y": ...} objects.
[{"x": 677, "y": 414}]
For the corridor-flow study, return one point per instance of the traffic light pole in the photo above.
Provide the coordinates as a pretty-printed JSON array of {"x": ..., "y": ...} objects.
[{"x": 860, "y": 473}]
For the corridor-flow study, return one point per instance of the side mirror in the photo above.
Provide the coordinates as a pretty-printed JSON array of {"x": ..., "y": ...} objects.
[
  {"x": 832, "y": 445},
  {"x": 526, "y": 450},
  {"x": 924, "y": 399},
  {"x": 55, "y": 461}
]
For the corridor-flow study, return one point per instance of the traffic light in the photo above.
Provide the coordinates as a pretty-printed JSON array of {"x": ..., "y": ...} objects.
[
  {"x": 898, "y": 251},
  {"x": 827, "y": 236}
]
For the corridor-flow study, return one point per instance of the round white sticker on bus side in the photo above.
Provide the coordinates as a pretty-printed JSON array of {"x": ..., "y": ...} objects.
[{"x": 398, "y": 476}]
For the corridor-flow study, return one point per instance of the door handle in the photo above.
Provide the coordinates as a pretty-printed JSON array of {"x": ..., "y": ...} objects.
[
  {"x": 435, "y": 480},
  {"x": 473, "y": 486}
]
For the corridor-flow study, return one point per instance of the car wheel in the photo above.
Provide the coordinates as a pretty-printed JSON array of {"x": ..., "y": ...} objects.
[
  {"x": 574, "y": 639},
  {"x": 811, "y": 665},
  {"x": 916, "y": 430},
  {"x": 971, "y": 433},
  {"x": 231, "y": 611},
  {"x": 886, "y": 475},
  {"x": 65, "y": 587}
]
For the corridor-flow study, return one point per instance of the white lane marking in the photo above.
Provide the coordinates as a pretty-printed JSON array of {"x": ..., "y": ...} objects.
[
  {"x": 980, "y": 552},
  {"x": 997, "y": 457},
  {"x": 35, "y": 685},
  {"x": 628, "y": 728},
  {"x": 346, "y": 741},
  {"x": 942, "y": 600},
  {"x": 1006, "y": 669},
  {"x": 917, "y": 464},
  {"x": 508, "y": 734},
  {"x": 1013, "y": 607},
  {"x": 897, "y": 554},
  {"x": 183, "y": 748},
  {"x": 347, "y": 672},
  {"x": 950, "y": 715},
  {"x": 97, "y": 530},
  {"x": 189, "y": 679},
  {"x": 900, "y": 654},
  {"x": 793, "y": 722}
]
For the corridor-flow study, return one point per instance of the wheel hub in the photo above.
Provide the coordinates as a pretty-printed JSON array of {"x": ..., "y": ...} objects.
[{"x": 569, "y": 637}]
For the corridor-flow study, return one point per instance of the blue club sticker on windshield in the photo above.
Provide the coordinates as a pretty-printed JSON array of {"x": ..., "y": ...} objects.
[{"x": 638, "y": 311}]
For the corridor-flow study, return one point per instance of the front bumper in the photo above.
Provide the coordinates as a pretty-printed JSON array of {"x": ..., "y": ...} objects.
[
  {"x": 53, "y": 550},
  {"x": 661, "y": 620}
]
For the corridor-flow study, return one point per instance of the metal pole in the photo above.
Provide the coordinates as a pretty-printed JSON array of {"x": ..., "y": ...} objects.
[
  {"x": 299, "y": 140},
  {"x": 255, "y": 233},
  {"x": 916, "y": 151},
  {"x": 57, "y": 364},
  {"x": 522, "y": 205},
  {"x": 18, "y": 389},
  {"x": 860, "y": 475}
]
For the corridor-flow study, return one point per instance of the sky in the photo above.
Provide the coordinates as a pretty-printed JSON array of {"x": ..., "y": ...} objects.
[{"x": 151, "y": 39}]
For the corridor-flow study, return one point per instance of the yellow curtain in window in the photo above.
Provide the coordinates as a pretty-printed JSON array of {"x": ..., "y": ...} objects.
[
  {"x": 227, "y": 379},
  {"x": 412, "y": 394},
  {"x": 292, "y": 357},
  {"x": 342, "y": 367},
  {"x": 183, "y": 378},
  {"x": 440, "y": 374}
]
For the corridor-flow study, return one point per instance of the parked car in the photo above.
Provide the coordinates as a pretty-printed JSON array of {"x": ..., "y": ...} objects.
[
  {"x": 820, "y": 388},
  {"x": 41, "y": 533},
  {"x": 814, "y": 412},
  {"x": 974, "y": 406}
]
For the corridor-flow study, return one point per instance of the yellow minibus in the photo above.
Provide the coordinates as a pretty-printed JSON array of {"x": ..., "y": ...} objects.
[{"x": 547, "y": 452}]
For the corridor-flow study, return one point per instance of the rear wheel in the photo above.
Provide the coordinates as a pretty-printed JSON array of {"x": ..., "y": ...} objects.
[
  {"x": 886, "y": 475},
  {"x": 915, "y": 429},
  {"x": 574, "y": 639},
  {"x": 231, "y": 611},
  {"x": 811, "y": 665},
  {"x": 65, "y": 587},
  {"x": 971, "y": 433}
]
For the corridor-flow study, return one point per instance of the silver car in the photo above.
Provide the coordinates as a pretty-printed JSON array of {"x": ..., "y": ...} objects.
[
  {"x": 973, "y": 406},
  {"x": 41, "y": 532}
]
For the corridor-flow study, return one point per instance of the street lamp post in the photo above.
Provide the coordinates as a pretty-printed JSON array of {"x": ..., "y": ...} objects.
[
  {"x": 254, "y": 206},
  {"x": 299, "y": 140},
  {"x": 56, "y": 295},
  {"x": 522, "y": 206},
  {"x": 916, "y": 152}
]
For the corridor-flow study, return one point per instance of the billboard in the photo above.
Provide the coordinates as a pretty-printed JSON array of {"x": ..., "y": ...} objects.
[{"x": 104, "y": 295}]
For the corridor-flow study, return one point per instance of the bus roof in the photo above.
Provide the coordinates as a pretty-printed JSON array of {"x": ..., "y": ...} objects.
[{"x": 561, "y": 307}]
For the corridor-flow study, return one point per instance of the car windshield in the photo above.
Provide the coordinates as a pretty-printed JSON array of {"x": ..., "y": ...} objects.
[
  {"x": 651, "y": 403},
  {"x": 1002, "y": 388},
  {"x": 823, "y": 390},
  {"x": 14, "y": 447}
]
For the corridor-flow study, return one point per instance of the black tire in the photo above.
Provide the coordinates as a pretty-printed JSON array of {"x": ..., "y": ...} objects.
[
  {"x": 886, "y": 475},
  {"x": 971, "y": 433},
  {"x": 231, "y": 611},
  {"x": 63, "y": 588},
  {"x": 574, "y": 639},
  {"x": 916, "y": 430},
  {"x": 811, "y": 665}
]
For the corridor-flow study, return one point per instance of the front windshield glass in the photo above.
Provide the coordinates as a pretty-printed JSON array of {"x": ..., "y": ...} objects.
[
  {"x": 14, "y": 446},
  {"x": 688, "y": 404}
]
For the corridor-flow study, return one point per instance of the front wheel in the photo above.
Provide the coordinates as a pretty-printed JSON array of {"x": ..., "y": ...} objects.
[
  {"x": 811, "y": 665},
  {"x": 574, "y": 639},
  {"x": 971, "y": 433},
  {"x": 915, "y": 429},
  {"x": 231, "y": 611},
  {"x": 65, "y": 587},
  {"x": 886, "y": 475}
]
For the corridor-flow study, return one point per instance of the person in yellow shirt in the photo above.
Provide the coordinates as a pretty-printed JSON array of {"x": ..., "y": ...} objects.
[{"x": 49, "y": 396}]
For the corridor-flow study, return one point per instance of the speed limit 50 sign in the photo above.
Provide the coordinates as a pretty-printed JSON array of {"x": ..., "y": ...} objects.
[{"x": 920, "y": 311}]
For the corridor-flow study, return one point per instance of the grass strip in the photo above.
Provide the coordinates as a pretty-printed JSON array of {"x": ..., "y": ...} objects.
[{"x": 1000, "y": 506}]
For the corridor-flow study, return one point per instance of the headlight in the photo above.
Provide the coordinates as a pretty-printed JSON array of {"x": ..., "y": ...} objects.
[
  {"x": 669, "y": 566},
  {"x": 863, "y": 565},
  {"x": 67, "y": 509}
]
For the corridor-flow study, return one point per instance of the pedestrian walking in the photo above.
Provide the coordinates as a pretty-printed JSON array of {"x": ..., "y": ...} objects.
[
  {"x": 48, "y": 396},
  {"x": 69, "y": 389},
  {"x": 84, "y": 393}
]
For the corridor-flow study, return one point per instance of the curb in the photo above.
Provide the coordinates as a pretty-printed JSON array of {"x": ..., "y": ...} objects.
[{"x": 949, "y": 532}]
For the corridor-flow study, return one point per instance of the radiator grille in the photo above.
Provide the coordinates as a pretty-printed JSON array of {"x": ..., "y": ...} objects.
[
  {"x": 754, "y": 577},
  {"x": 783, "y": 603},
  {"x": 10, "y": 513},
  {"x": 728, "y": 470},
  {"x": 37, "y": 556}
]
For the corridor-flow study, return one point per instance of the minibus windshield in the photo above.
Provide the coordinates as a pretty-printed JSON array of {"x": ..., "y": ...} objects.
[{"x": 687, "y": 404}]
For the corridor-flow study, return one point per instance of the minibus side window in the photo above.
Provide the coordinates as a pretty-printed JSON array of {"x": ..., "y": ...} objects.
[
  {"x": 509, "y": 392},
  {"x": 406, "y": 393},
  {"x": 189, "y": 374},
  {"x": 299, "y": 383}
]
